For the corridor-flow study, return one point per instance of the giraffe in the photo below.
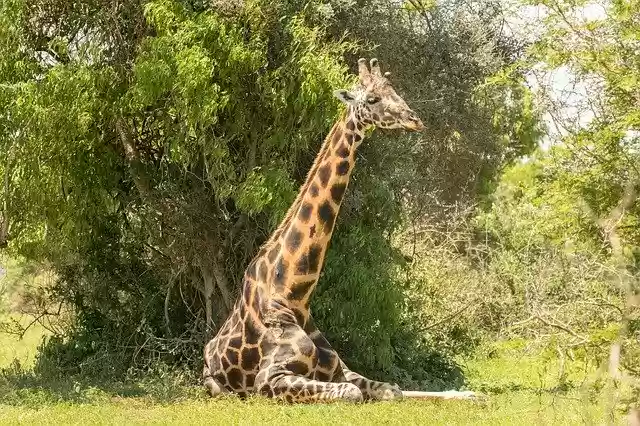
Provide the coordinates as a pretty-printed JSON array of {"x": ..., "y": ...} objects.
[{"x": 269, "y": 345}]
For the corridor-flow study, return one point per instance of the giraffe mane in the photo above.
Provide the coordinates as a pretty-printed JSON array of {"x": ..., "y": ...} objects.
[{"x": 303, "y": 188}]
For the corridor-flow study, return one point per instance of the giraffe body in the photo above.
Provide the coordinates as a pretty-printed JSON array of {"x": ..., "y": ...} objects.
[{"x": 269, "y": 345}]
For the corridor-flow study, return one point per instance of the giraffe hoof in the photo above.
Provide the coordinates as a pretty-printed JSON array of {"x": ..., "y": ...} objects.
[
  {"x": 390, "y": 393},
  {"x": 352, "y": 393}
]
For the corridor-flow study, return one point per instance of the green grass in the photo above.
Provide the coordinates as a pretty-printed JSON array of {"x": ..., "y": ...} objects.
[
  {"x": 22, "y": 349},
  {"x": 519, "y": 408},
  {"x": 12, "y": 281},
  {"x": 522, "y": 389}
]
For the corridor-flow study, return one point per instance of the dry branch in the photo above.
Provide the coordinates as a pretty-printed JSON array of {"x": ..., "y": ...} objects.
[{"x": 562, "y": 327}]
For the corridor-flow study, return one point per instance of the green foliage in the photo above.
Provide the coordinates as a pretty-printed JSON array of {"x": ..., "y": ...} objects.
[
  {"x": 203, "y": 98},
  {"x": 454, "y": 66},
  {"x": 560, "y": 230},
  {"x": 515, "y": 115},
  {"x": 368, "y": 315},
  {"x": 264, "y": 188},
  {"x": 148, "y": 155}
]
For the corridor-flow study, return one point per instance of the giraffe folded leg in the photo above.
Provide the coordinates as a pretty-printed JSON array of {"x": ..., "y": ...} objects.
[
  {"x": 214, "y": 387},
  {"x": 384, "y": 391},
  {"x": 283, "y": 384},
  {"x": 451, "y": 394},
  {"x": 371, "y": 389},
  {"x": 285, "y": 373}
]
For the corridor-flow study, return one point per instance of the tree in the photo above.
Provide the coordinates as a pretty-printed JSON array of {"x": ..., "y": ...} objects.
[
  {"x": 571, "y": 212},
  {"x": 149, "y": 139},
  {"x": 151, "y": 146}
]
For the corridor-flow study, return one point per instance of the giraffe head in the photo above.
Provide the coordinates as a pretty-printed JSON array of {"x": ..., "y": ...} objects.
[{"x": 375, "y": 102}]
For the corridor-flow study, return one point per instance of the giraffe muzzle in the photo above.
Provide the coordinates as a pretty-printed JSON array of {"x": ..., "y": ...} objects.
[{"x": 413, "y": 123}]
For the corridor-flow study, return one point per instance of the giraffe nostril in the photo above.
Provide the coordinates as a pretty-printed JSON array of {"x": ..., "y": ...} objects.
[{"x": 414, "y": 122}]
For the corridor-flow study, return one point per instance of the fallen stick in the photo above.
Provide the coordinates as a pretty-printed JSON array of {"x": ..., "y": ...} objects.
[{"x": 451, "y": 394}]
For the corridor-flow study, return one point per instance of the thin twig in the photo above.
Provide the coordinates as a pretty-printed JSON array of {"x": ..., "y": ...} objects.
[
  {"x": 447, "y": 318},
  {"x": 561, "y": 327}
]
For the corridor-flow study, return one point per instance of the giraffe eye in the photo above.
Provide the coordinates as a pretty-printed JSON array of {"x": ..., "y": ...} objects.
[{"x": 373, "y": 100}]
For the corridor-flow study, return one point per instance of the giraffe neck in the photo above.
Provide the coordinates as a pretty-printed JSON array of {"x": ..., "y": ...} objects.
[{"x": 296, "y": 250}]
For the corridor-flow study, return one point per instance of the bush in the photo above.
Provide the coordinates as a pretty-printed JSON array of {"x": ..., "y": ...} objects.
[{"x": 187, "y": 130}]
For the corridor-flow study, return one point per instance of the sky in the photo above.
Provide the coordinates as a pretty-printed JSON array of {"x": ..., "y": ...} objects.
[{"x": 560, "y": 84}]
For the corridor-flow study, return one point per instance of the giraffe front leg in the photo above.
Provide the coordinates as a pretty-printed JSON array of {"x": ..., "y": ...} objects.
[
  {"x": 371, "y": 389},
  {"x": 282, "y": 384},
  {"x": 288, "y": 367},
  {"x": 211, "y": 362}
]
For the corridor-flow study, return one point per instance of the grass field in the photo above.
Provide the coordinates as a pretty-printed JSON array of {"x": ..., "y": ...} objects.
[
  {"x": 519, "y": 389},
  {"x": 522, "y": 408}
]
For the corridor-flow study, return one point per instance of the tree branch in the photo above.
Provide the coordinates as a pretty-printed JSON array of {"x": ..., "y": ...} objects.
[
  {"x": 417, "y": 4},
  {"x": 4, "y": 213},
  {"x": 563, "y": 328},
  {"x": 167, "y": 300},
  {"x": 448, "y": 317},
  {"x": 132, "y": 155}
]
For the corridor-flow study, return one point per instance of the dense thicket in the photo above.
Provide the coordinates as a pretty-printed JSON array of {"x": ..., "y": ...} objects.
[
  {"x": 551, "y": 254},
  {"x": 148, "y": 147},
  {"x": 568, "y": 218}
]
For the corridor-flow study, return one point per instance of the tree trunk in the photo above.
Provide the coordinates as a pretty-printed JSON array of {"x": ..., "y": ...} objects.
[
  {"x": 222, "y": 282},
  {"x": 211, "y": 272},
  {"x": 208, "y": 294},
  {"x": 131, "y": 153},
  {"x": 212, "y": 268}
]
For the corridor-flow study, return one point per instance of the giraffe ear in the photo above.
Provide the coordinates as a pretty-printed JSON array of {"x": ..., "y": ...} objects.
[{"x": 345, "y": 96}]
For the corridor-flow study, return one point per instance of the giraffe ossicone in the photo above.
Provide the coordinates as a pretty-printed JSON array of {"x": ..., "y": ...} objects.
[{"x": 269, "y": 344}]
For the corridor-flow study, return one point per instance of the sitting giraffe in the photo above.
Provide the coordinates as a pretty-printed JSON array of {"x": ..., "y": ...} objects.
[{"x": 269, "y": 345}]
